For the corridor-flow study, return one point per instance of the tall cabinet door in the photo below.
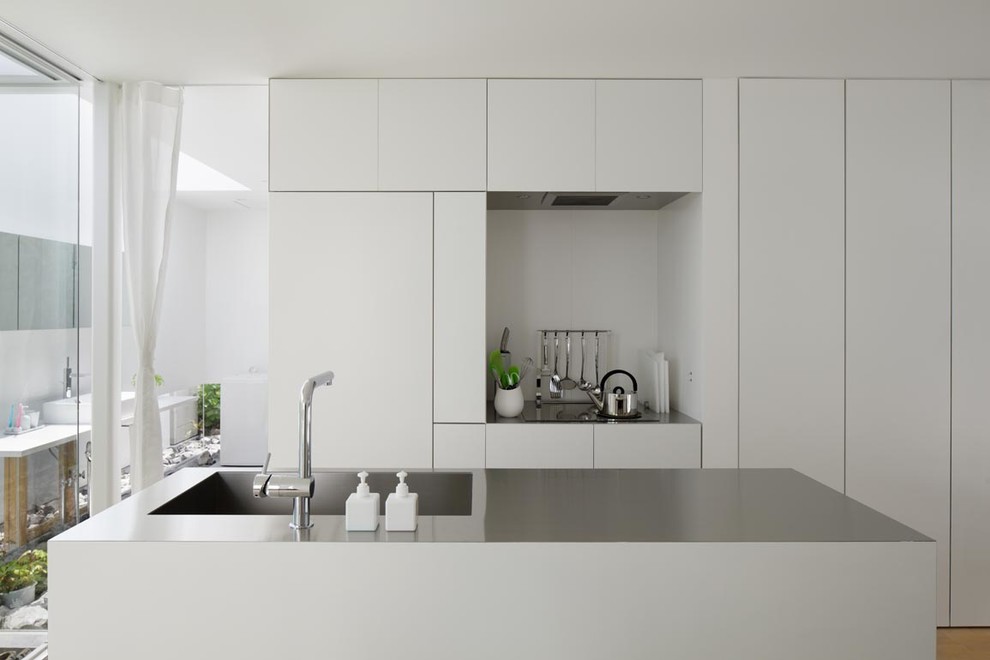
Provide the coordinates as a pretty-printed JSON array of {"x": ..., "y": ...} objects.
[
  {"x": 351, "y": 290},
  {"x": 791, "y": 276},
  {"x": 898, "y": 305},
  {"x": 460, "y": 374},
  {"x": 970, "y": 353}
]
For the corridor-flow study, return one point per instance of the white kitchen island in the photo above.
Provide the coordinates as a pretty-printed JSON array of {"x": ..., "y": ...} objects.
[{"x": 570, "y": 564}]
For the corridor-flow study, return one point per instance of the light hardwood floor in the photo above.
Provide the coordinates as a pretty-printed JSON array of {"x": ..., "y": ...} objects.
[{"x": 963, "y": 643}]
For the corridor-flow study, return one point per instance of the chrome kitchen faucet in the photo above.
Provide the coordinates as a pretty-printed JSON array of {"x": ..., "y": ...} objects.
[{"x": 300, "y": 487}]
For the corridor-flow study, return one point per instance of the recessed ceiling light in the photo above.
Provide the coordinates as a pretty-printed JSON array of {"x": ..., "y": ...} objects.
[
  {"x": 522, "y": 196},
  {"x": 643, "y": 196}
]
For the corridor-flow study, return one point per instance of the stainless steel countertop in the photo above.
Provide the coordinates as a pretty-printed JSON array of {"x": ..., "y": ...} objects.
[
  {"x": 551, "y": 506},
  {"x": 555, "y": 412}
]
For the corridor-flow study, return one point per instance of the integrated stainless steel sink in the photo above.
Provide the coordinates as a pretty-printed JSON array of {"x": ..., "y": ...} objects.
[{"x": 229, "y": 494}]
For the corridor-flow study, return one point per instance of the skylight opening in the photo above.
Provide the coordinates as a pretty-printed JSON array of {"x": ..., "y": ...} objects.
[{"x": 196, "y": 176}]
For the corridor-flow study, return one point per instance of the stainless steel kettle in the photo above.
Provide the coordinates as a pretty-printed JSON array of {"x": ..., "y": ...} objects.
[{"x": 618, "y": 403}]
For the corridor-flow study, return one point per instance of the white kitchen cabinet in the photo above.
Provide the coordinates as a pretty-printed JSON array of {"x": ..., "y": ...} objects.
[
  {"x": 458, "y": 446},
  {"x": 432, "y": 134},
  {"x": 720, "y": 274},
  {"x": 791, "y": 277},
  {"x": 459, "y": 363},
  {"x": 645, "y": 445},
  {"x": 539, "y": 446},
  {"x": 323, "y": 135},
  {"x": 970, "y": 353},
  {"x": 351, "y": 290},
  {"x": 541, "y": 135},
  {"x": 648, "y": 135},
  {"x": 898, "y": 305}
]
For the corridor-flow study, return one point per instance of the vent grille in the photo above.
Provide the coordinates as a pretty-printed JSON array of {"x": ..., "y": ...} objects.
[{"x": 583, "y": 200}]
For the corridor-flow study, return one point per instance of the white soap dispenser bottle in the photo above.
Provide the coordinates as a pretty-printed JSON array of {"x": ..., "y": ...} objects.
[
  {"x": 401, "y": 507},
  {"x": 362, "y": 508}
]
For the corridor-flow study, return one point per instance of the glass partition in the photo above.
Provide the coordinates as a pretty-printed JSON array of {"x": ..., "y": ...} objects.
[{"x": 44, "y": 358}]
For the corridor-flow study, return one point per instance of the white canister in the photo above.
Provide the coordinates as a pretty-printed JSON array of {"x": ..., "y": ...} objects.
[{"x": 509, "y": 403}]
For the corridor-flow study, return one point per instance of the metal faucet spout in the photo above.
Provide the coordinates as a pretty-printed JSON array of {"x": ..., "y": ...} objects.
[
  {"x": 300, "y": 506},
  {"x": 300, "y": 488}
]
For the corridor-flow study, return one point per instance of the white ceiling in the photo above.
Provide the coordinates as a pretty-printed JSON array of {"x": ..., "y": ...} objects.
[{"x": 248, "y": 41}]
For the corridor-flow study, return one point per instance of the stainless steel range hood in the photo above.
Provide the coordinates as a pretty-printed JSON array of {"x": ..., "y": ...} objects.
[{"x": 612, "y": 201}]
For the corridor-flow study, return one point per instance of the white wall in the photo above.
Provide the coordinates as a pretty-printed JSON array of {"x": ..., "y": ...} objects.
[
  {"x": 214, "y": 320},
  {"x": 181, "y": 354},
  {"x": 679, "y": 307},
  {"x": 514, "y": 38},
  {"x": 236, "y": 321}
]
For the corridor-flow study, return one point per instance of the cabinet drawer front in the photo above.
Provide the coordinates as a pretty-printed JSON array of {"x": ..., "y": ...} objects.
[
  {"x": 458, "y": 446},
  {"x": 647, "y": 446},
  {"x": 539, "y": 446}
]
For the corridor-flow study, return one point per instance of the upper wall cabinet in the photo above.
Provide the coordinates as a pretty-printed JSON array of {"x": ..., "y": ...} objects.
[
  {"x": 323, "y": 135},
  {"x": 648, "y": 135},
  {"x": 431, "y": 135},
  {"x": 364, "y": 135},
  {"x": 606, "y": 135},
  {"x": 541, "y": 135}
]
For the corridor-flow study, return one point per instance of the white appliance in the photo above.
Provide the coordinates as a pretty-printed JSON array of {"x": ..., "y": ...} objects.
[{"x": 244, "y": 420}]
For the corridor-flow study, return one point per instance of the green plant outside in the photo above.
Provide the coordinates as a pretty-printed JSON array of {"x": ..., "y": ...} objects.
[
  {"x": 30, "y": 568},
  {"x": 208, "y": 408}
]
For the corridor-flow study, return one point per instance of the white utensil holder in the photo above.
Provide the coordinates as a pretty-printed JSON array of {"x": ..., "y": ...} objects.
[{"x": 509, "y": 403}]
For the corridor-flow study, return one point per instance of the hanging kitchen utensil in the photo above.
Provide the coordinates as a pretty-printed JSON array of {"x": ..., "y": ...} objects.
[
  {"x": 568, "y": 383},
  {"x": 597, "y": 347},
  {"x": 584, "y": 385},
  {"x": 555, "y": 391}
]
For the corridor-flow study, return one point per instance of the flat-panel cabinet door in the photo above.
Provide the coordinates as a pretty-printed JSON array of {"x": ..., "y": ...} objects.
[
  {"x": 539, "y": 446},
  {"x": 541, "y": 135},
  {"x": 791, "y": 276},
  {"x": 323, "y": 135},
  {"x": 647, "y": 445},
  {"x": 432, "y": 134},
  {"x": 351, "y": 290},
  {"x": 460, "y": 373},
  {"x": 648, "y": 135},
  {"x": 970, "y": 353},
  {"x": 458, "y": 446},
  {"x": 898, "y": 305}
]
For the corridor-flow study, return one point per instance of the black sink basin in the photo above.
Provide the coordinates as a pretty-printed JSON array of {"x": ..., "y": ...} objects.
[{"x": 229, "y": 494}]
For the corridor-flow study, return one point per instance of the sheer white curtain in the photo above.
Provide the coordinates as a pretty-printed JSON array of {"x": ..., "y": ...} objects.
[{"x": 149, "y": 124}]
